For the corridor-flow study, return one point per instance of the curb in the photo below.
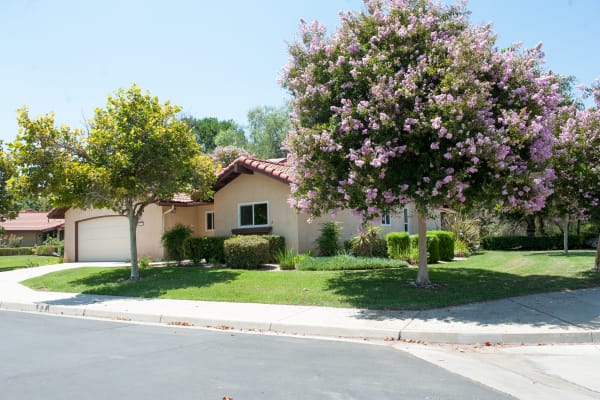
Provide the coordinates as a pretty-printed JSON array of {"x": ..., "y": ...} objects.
[{"x": 562, "y": 337}]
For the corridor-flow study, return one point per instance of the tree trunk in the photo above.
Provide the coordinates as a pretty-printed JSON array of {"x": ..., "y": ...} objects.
[
  {"x": 597, "y": 260},
  {"x": 566, "y": 234},
  {"x": 530, "y": 220},
  {"x": 423, "y": 273},
  {"x": 542, "y": 225},
  {"x": 133, "y": 221}
]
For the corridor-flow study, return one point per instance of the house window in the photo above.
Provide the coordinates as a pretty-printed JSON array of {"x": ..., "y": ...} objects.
[
  {"x": 405, "y": 219},
  {"x": 210, "y": 221},
  {"x": 386, "y": 219},
  {"x": 253, "y": 214}
]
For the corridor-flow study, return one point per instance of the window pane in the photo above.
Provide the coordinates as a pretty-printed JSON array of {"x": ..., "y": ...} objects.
[
  {"x": 246, "y": 215},
  {"x": 210, "y": 221},
  {"x": 260, "y": 214}
]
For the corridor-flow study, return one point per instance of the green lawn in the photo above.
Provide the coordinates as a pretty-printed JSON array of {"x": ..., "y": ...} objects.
[
  {"x": 491, "y": 275},
  {"x": 8, "y": 263}
]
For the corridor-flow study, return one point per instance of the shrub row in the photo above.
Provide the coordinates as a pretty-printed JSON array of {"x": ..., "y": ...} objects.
[
  {"x": 246, "y": 251},
  {"x": 16, "y": 251},
  {"x": 433, "y": 247},
  {"x": 212, "y": 249},
  {"x": 554, "y": 242},
  {"x": 397, "y": 244},
  {"x": 446, "y": 244},
  {"x": 346, "y": 262}
]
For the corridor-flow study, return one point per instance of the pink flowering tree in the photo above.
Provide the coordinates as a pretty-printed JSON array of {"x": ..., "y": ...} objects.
[{"x": 408, "y": 102}]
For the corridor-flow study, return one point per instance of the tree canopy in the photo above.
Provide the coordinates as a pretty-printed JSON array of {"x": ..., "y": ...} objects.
[
  {"x": 408, "y": 102},
  {"x": 206, "y": 130},
  {"x": 268, "y": 128},
  {"x": 135, "y": 152}
]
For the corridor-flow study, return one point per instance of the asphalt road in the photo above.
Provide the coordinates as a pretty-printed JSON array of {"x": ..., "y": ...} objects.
[{"x": 45, "y": 357}]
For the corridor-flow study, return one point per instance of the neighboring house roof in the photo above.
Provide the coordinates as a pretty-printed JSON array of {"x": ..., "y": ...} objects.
[
  {"x": 31, "y": 220},
  {"x": 275, "y": 168}
]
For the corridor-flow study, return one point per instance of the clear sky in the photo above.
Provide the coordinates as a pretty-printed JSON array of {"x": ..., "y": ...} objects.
[{"x": 218, "y": 58}]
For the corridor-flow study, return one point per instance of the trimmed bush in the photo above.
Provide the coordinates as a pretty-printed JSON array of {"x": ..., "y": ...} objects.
[
  {"x": 173, "y": 241},
  {"x": 16, "y": 251},
  {"x": 197, "y": 249},
  {"x": 44, "y": 250},
  {"x": 276, "y": 246},
  {"x": 209, "y": 248},
  {"x": 433, "y": 247},
  {"x": 397, "y": 244},
  {"x": 328, "y": 241},
  {"x": 346, "y": 262},
  {"x": 554, "y": 242},
  {"x": 246, "y": 251},
  {"x": 446, "y": 244}
]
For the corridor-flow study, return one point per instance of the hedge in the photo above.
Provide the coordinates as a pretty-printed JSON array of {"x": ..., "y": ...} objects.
[
  {"x": 554, "y": 242},
  {"x": 397, "y": 243},
  {"x": 16, "y": 251},
  {"x": 246, "y": 251},
  {"x": 347, "y": 262},
  {"x": 446, "y": 244},
  {"x": 209, "y": 248},
  {"x": 433, "y": 247},
  {"x": 276, "y": 245}
]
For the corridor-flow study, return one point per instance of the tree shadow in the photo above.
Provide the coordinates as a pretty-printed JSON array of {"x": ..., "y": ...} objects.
[
  {"x": 153, "y": 282},
  {"x": 389, "y": 290}
]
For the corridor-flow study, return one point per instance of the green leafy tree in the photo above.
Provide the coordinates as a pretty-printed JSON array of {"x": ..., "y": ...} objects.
[
  {"x": 7, "y": 205},
  {"x": 231, "y": 137},
  {"x": 206, "y": 130},
  {"x": 268, "y": 128},
  {"x": 134, "y": 153}
]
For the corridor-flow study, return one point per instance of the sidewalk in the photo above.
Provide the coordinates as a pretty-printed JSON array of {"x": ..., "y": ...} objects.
[{"x": 565, "y": 317}]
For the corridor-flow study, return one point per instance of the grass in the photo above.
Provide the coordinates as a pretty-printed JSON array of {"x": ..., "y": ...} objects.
[
  {"x": 347, "y": 262},
  {"x": 8, "y": 263},
  {"x": 487, "y": 276}
]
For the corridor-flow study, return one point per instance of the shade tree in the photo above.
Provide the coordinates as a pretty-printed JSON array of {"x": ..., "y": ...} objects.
[{"x": 408, "y": 102}]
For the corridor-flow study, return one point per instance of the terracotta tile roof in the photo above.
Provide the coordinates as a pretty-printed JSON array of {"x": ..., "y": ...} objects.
[
  {"x": 30, "y": 220},
  {"x": 181, "y": 199},
  {"x": 275, "y": 168}
]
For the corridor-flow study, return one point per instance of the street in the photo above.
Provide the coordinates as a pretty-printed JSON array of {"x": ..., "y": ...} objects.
[{"x": 46, "y": 357}]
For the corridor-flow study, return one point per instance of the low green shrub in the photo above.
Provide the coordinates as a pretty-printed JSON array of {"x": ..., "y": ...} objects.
[
  {"x": 328, "y": 242},
  {"x": 144, "y": 262},
  {"x": 554, "y": 242},
  {"x": 287, "y": 259},
  {"x": 16, "y": 251},
  {"x": 173, "y": 241},
  {"x": 397, "y": 244},
  {"x": 446, "y": 244},
  {"x": 45, "y": 250},
  {"x": 347, "y": 262},
  {"x": 246, "y": 251},
  {"x": 276, "y": 245},
  {"x": 208, "y": 248},
  {"x": 368, "y": 243},
  {"x": 433, "y": 247},
  {"x": 461, "y": 249}
]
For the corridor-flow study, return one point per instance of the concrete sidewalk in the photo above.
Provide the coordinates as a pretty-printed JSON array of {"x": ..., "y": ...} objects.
[{"x": 564, "y": 317}]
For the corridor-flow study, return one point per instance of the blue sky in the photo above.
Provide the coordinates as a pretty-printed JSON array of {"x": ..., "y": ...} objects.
[{"x": 218, "y": 58}]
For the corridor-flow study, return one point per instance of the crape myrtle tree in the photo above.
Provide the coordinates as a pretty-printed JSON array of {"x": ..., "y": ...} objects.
[
  {"x": 408, "y": 102},
  {"x": 134, "y": 153}
]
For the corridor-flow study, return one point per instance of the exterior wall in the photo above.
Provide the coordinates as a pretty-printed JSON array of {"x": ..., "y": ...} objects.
[
  {"x": 30, "y": 238},
  {"x": 251, "y": 188},
  {"x": 308, "y": 232},
  {"x": 148, "y": 234},
  {"x": 194, "y": 217}
]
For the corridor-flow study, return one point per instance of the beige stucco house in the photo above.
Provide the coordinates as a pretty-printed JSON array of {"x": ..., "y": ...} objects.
[
  {"x": 33, "y": 227},
  {"x": 250, "y": 197}
]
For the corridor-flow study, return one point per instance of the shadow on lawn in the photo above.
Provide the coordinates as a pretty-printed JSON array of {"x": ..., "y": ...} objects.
[
  {"x": 389, "y": 290},
  {"x": 153, "y": 282}
]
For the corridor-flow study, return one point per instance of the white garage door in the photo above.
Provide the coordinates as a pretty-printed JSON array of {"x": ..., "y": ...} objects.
[{"x": 103, "y": 239}]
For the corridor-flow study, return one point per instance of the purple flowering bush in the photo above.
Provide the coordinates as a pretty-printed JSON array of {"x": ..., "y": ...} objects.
[{"x": 408, "y": 102}]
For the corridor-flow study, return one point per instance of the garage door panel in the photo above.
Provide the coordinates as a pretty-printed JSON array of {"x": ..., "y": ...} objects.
[{"x": 103, "y": 239}]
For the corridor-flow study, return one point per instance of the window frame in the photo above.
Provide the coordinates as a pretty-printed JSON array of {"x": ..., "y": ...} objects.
[
  {"x": 405, "y": 219},
  {"x": 253, "y": 204},
  {"x": 206, "y": 221},
  {"x": 386, "y": 219}
]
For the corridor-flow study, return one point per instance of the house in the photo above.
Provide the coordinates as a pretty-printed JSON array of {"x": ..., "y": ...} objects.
[
  {"x": 33, "y": 226},
  {"x": 250, "y": 198}
]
